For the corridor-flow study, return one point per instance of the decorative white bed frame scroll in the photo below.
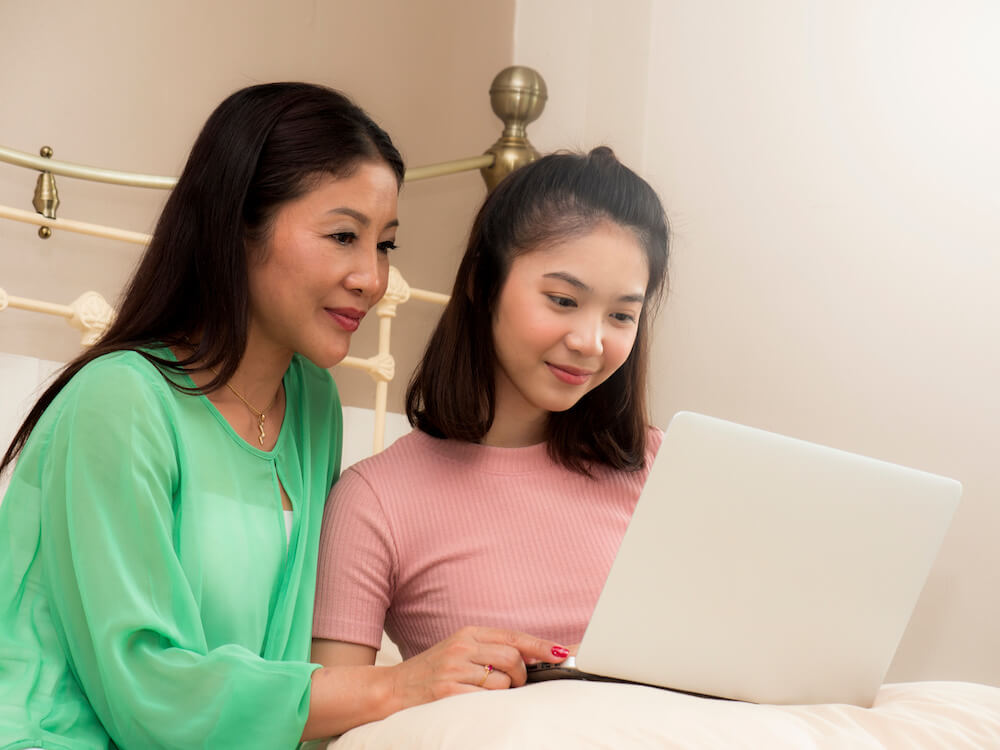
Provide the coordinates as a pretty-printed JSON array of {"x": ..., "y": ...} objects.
[{"x": 517, "y": 96}]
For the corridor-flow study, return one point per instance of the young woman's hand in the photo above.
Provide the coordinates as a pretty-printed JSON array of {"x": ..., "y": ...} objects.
[
  {"x": 342, "y": 697},
  {"x": 471, "y": 659}
]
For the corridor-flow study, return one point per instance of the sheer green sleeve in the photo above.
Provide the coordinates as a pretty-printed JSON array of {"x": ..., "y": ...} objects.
[{"x": 122, "y": 607}]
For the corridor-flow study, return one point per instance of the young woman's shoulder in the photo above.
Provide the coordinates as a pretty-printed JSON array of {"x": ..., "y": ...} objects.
[
  {"x": 413, "y": 446},
  {"x": 654, "y": 438},
  {"x": 414, "y": 458}
]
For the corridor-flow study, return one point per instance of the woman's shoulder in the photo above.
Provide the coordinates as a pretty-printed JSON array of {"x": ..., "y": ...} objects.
[
  {"x": 119, "y": 376},
  {"x": 112, "y": 394}
]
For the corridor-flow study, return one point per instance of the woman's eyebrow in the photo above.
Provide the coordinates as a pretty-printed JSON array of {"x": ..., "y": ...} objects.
[
  {"x": 578, "y": 284},
  {"x": 361, "y": 218}
]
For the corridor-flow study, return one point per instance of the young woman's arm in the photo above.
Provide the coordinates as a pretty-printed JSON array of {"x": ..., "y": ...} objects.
[
  {"x": 340, "y": 654},
  {"x": 473, "y": 659}
]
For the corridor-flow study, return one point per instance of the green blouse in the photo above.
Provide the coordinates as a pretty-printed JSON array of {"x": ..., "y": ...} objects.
[{"x": 147, "y": 590}]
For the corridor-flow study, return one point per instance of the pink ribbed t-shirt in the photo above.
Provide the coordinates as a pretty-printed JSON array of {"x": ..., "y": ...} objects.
[{"x": 432, "y": 535}]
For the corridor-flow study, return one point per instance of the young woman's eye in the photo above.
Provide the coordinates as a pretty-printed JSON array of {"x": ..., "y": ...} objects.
[
  {"x": 561, "y": 301},
  {"x": 623, "y": 317},
  {"x": 344, "y": 238},
  {"x": 385, "y": 247}
]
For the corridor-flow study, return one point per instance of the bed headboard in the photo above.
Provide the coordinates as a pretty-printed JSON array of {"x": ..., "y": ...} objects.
[{"x": 517, "y": 96}]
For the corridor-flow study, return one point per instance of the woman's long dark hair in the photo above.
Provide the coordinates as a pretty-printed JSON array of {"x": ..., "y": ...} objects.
[
  {"x": 263, "y": 146},
  {"x": 452, "y": 392}
]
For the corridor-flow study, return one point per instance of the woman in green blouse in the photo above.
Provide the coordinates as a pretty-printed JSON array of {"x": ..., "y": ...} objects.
[{"x": 158, "y": 540}]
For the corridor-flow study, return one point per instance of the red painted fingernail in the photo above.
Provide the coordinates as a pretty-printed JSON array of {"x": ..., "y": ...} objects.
[{"x": 559, "y": 652}]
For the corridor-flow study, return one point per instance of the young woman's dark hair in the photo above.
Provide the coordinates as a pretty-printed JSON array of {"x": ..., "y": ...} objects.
[
  {"x": 263, "y": 146},
  {"x": 553, "y": 199}
]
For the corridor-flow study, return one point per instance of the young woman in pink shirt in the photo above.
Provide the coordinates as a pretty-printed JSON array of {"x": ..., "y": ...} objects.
[{"x": 506, "y": 505}]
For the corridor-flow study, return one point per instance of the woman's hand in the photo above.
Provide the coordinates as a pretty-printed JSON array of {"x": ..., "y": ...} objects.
[
  {"x": 472, "y": 659},
  {"x": 342, "y": 697}
]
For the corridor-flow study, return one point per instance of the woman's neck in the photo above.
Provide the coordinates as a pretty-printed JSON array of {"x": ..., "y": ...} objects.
[
  {"x": 258, "y": 376},
  {"x": 253, "y": 390}
]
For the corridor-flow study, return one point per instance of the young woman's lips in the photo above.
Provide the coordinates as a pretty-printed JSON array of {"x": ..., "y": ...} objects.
[
  {"x": 346, "y": 317},
  {"x": 569, "y": 375}
]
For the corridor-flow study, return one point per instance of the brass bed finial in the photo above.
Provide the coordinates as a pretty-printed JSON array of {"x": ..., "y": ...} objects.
[
  {"x": 517, "y": 95},
  {"x": 46, "y": 199}
]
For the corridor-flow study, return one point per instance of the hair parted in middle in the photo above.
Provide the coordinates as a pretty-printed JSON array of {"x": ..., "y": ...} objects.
[
  {"x": 263, "y": 146},
  {"x": 549, "y": 201}
]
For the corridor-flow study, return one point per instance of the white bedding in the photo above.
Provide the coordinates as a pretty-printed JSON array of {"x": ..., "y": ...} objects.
[{"x": 575, "y": 714}]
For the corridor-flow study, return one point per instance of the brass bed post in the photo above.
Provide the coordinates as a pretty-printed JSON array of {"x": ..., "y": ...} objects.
[{"x": 518, "y": 96}]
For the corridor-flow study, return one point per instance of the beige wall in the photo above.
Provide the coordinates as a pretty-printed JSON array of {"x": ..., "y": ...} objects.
[
  {"x": 127, "y": 85},
  {"x": 830, "y": 174}
]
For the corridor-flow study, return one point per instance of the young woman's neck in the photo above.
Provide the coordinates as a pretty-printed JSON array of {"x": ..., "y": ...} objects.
[{"x": 516, "y": 423}]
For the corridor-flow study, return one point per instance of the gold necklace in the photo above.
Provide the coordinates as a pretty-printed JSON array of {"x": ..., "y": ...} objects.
[{"x": 261, "y": 415}]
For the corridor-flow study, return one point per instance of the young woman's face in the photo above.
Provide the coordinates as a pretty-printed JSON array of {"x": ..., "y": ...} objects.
[
  {"x": 325, "y": 264},
  {"x": 566, "y": 320}
]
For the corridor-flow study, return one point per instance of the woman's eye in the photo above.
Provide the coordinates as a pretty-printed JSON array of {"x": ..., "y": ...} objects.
[
  {"x": 623, "y": 317},
  {"x": 384, "y": 247},
  {"x": 344, "y": 238},
  {"x": 561, "y": 301}
]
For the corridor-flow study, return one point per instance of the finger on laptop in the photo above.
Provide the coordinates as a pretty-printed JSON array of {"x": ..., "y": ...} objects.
[{"x": 528, "y": 648}]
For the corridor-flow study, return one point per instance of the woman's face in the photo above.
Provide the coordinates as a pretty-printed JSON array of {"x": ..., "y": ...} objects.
[
  {"x": 324, "y": 264},
  {"x": 566, "y": 319}
]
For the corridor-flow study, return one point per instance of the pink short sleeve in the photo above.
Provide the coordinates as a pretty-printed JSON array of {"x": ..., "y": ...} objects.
[{"x": 356, "y": 565}]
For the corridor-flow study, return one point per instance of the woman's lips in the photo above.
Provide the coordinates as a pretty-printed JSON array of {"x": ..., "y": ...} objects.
[
  {"x": 569, "y": 375},
  {"x": 347, "y": 318}
]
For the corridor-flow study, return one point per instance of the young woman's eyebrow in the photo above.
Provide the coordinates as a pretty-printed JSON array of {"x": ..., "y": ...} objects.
[
  {"x": 569, "y": 279},
  {"x": 637, "y": 298},
  {"x": 576, "y": 283}
]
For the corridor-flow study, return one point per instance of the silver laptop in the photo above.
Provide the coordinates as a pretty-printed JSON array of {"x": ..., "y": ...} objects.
[{"x": 762, "y": 568}]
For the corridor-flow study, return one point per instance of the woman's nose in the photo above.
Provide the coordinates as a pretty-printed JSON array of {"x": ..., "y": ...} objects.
[{"x": 366, "y": 275}]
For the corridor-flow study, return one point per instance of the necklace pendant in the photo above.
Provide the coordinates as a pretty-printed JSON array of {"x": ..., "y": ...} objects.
[{"x": 260, "y": 428}]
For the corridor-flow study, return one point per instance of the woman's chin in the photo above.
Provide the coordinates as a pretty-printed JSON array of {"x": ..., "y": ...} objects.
[{"x": 325, "y": 357}]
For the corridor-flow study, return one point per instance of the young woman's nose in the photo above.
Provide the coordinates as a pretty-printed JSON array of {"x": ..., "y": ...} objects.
[{"x": 586, "y": 337}]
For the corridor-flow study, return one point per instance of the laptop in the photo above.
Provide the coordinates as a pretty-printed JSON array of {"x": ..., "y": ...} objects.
[{"x": 762, "y": 568}]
